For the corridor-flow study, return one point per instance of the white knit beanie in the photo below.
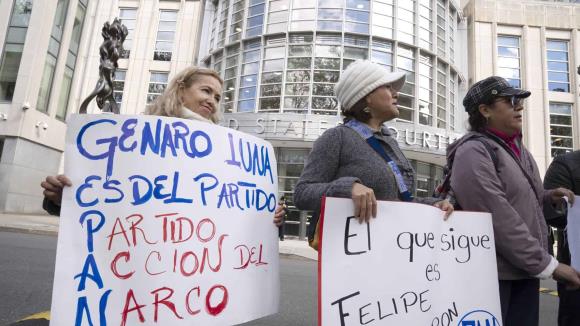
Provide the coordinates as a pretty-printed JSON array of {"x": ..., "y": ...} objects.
[{"x": 361, "y": 78}]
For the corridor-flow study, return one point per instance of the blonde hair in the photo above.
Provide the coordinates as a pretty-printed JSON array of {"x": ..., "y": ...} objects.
[{"x": 169, "y": 103}]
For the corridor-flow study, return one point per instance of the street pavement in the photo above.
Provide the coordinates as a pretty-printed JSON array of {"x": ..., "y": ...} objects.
[{"x": 28, "y": 251}]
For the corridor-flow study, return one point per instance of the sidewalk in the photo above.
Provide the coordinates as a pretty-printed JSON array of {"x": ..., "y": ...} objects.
[{"x": 46, "y": 224}]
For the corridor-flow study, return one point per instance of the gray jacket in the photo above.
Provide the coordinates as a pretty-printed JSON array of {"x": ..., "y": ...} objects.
[
  {"x": 520, "y": 231},
  {"x": 341, "y": 157}
]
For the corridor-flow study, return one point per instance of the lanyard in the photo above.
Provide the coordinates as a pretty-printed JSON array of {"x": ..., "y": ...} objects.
[{"x": 366, "y": 133}]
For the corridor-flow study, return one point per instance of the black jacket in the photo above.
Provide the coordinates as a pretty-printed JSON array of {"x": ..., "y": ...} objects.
[
  {"x": 50, "y": 207},
  {"x": 563, "y": 172}
]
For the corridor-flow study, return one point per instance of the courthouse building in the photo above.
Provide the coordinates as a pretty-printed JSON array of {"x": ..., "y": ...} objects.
[{"x": 280, "y": 60}]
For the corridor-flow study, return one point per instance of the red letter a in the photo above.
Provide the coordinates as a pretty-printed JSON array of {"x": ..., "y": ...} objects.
[{"x": 127, "y": 310}]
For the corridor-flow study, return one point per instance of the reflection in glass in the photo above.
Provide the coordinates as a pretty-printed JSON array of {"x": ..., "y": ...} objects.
[
  {"x": 326, "y": 63},
  {"x": 298, "y": 76},
  {"x": 326, "y": 76}
]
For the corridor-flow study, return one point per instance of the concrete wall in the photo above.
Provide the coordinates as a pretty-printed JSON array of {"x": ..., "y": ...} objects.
[{"x": 23, "y": 166}]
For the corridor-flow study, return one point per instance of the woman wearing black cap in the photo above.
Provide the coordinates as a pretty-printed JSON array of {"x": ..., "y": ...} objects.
[{"x": 504, "y": 180}]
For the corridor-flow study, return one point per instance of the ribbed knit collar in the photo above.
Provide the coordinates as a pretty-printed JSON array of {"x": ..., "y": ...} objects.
[{"x": 190, "y": 115}]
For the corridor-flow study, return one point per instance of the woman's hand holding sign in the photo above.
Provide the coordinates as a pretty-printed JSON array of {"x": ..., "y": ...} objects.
[
  {"x": 53, "y": 186},
  {"x": 365, "y": 202}
]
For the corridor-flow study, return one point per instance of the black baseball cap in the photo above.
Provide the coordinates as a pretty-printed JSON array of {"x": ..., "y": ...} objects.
[{"x": 486, "y": 90}]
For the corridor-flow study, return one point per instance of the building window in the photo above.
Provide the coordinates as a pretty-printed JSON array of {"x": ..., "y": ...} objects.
[
  {"x": 326, "y": 72},
  {"x": 298, "y": 74},
  {"x": 452, "y": 28},
  {"x": 217, "y": 62},
  {"x": 406, "y": 21},
  {"x": 330, "y": 15},
  {"x": 425, "y": 24},
  {"x": 406, "y": 63},
  {"x": 272, "y": 73},
  {"x": 278, "y": 16},
  {"x": 71, "y": 61},
  {"x": 303, "y": 16},
  {"x": 382, "y": 53},
  {"x": 441, "y": 94},
  {"x": 214, "y": 25},
  {"x": 452, "y": 95},
  {"x": 426, "y": 90},
  {"x": 157, "y": 84},
  {"x": 128, "y": 17},
  {"x": 255, "y": 20},
  {"x": 225, "y": 10},
  {"x": 383, "y": 18},
  {"x": 441, "y": 27},
  {"x": 249, "y": 76},
  {"x": 508, "y": 63},
  {"x": 357, "y": 16},
  {"x": 119, "y": 86},
  {"x": 165, "y": 35},
  {"x": 558, "y": 71},
  {"x": 561, "y": 135},
  {"x": 230, "y": 77},
  {"x": 52, "y": 56},
  {"x": 290, "y": 165},
  {"x": 237, "y": 20},
  {"x": 12, "y": 54},
  {"x": 355, "y": 47},
  {"x": 428, "y": 176}
]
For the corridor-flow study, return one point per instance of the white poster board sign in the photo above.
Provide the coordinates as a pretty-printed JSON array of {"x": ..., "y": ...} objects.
[
  {"x": 168, "y": 222},
  {"x": 573, "y": 232},
  {"x": 407, "y": 267}
]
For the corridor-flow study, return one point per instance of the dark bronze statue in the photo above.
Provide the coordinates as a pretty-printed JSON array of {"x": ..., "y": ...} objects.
[{"x": 114, "y": 35}]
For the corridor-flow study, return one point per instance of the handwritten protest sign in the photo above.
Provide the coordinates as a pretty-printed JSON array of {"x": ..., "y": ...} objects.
[
  {"x": 573, "y": 233},
  {"x": 168, "y": 222},
  {"x": 407, "y": 267}
]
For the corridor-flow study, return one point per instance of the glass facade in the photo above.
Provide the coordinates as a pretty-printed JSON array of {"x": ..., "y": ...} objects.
[
  {"x": 14, "y": 44},
  {"x": 71, "y": 60},
  {"x": 119, "y": 86},
  {"x": 561, "y": 135},
  {"x": 128, "y": 17},
  {"x": 285, "y": 56},
  {"x": 508, "y": 63},
  {"x": 52, "y": 56},
  {"x": 290, "y": 164},
  {"x": 293, "y": 52},
  {"x": 157, "y": 84},
  {"x": 428, "y": 176},
  {"x": 165, "y": 35},
  {"x": 558, "y": 71}
]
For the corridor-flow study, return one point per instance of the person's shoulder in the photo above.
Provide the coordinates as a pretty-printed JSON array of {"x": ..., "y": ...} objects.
[
  {"x": 573, "y": 157},
  {"x": 473, "y": 147},
  {"x": 332, "y": 134}
]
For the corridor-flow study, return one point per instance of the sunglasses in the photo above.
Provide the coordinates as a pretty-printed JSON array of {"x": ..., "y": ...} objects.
[{"x": 513, "y": 100}]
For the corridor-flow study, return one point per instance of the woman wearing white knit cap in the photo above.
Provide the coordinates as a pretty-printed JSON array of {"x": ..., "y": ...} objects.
[{"x": 360, "y": 159}]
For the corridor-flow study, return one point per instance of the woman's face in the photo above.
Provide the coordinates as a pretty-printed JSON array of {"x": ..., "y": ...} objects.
[
  {"x": 506, "y": 117},
  {"x": 382, "y": 103},
  {"x": 203, "y": 96}
]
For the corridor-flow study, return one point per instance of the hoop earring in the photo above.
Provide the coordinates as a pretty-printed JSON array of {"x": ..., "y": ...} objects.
[{"x": 367, "y": 110}]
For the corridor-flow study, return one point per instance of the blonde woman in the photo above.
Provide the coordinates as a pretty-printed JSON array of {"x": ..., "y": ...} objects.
[{"x": 194, "y": 93}]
